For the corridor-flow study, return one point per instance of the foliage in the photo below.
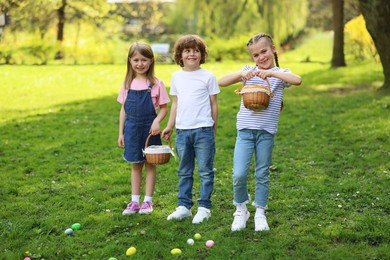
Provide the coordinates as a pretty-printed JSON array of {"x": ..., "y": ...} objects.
[
  {"x": 221, "y": 49},
  {"x": 361, "y": 45},
  {"x": 25, "y": 48},
  {"x": 39, "y": 52},
  {"x": 226, "y": 19},
  {"x": 320, "y": 13},
  {"x": 60, "y": 165}
]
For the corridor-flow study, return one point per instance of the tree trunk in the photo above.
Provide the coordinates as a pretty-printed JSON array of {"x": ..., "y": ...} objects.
[
  {"x": 377, "y": 16},
  {"x": 338, "y": 30},
  {"x": 60, "y": 30}
]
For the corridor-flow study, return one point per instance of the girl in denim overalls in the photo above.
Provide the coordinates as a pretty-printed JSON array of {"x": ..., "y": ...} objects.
[{"x": 141, "y": 95}]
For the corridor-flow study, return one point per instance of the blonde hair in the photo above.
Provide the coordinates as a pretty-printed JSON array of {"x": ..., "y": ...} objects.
[
  {"x": 188, "y": 42},
  {"x": 255, "y": 39},
  {"x": 145, "y": 50}
]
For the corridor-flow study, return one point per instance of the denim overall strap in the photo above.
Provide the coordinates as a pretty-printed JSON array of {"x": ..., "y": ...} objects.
[{"x": 139, "y": 104}]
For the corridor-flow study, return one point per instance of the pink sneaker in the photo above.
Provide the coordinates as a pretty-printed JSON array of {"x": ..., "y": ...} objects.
[
  {"x": 132, "y": 207},
  {"x": 146, "y": 207}
]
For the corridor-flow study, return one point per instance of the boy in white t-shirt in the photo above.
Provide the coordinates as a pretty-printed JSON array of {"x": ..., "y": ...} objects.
[{"x": 194, "y": 110}]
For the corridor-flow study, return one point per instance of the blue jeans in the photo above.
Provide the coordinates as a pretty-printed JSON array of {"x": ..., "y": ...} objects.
[
  {"x": 248, "y": 142},
  {"x": 190, "y": 144}
]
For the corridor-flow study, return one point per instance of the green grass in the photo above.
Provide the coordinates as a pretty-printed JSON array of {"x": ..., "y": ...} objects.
[{"x": 329, "y": 195}]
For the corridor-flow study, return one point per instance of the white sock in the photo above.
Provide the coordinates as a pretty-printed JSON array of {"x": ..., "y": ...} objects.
[
  {"x": 241, "y": 207},
  {"x": 135, "y": 198},
  {"x": 260, "y": 211},
  {"x": 148, "y": 198}
]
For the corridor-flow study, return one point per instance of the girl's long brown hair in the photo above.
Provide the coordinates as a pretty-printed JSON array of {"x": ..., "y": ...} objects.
[{"x": 145, "y": 50}]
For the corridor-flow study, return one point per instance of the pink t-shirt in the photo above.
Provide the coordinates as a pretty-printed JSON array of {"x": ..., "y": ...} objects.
[{"x": 159, "y": 92}]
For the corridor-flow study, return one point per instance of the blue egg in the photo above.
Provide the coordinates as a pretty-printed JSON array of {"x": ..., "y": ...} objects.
[{"x": 69, "y": 231}]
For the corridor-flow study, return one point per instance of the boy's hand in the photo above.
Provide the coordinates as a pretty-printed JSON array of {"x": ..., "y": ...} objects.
[{"x": 166, "y": 133}]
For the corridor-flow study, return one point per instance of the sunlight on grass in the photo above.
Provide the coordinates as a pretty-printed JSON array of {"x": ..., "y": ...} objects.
[
  {"x": 60, "y": 164},
  {"x": 317, "y": 49}
]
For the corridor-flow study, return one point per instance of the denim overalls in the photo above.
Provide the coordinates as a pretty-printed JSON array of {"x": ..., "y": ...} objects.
[{"x": 140, "y": 114}]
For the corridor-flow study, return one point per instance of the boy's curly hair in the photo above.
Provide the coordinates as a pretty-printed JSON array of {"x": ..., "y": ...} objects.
[{"x": 191, "y": 41}]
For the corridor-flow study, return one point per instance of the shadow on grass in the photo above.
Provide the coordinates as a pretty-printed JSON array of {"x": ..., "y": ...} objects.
[
  {"x": 350, "y": 76},
  {"x": 65, "y": 167}
]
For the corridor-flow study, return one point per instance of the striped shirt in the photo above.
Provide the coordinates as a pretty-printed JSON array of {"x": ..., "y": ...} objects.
[{"x": 266, "y": 119}]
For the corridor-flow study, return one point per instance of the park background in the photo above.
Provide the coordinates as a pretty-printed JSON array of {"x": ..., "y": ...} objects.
[{"x": 63, "y": 62}]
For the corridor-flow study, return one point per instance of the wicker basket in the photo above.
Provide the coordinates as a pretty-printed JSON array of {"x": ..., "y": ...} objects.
[
  {"x": 157, "y": 154},
  {"x": 255, "y": 97}
]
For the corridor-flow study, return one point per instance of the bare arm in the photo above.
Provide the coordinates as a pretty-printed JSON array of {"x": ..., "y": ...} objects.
[
  {"x": 155, "y": 128},
  {"x": 214, "y": 111},
  {"x": 235, "y": 77},
  {"x": 166, "y": 133},
  {"x": 287, "y": 77},
  {"x": 122, "y": 116}
]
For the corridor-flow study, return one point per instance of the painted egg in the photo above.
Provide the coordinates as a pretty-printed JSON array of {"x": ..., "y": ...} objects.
[
  {"x": 76, "y": 226},
  {"x": 131, "y": 251},
  {"x": 210, "y": 243},
  {"x": 176, "y": 251},
  {"x": 69, "y": 231}
]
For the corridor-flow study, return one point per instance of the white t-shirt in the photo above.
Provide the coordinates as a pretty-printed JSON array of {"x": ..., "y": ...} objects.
[
  {"x": 266, "y": 119},
  {"x": 193, "y": 90}
]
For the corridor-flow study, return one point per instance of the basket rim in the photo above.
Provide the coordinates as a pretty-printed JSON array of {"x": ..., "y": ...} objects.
[{"x": 147, "y": 141}]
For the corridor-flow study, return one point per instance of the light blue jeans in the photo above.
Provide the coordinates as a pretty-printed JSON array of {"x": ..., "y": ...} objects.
[
  {"x": 196, "y": 143},
  {"x": 260, "y": 143}
]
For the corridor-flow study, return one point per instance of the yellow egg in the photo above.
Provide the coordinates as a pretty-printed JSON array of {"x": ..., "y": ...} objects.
[
  {"x": 176, "y": 251},
  {"x": 197, "y": 236},
  {"x": 131, "y": 251}
]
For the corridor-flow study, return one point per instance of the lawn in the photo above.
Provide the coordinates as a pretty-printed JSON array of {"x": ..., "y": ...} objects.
[{"x": 59, "y": 163}]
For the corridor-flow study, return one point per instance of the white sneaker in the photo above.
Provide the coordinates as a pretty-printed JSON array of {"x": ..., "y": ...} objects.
[
  {"x": 202, "y": 214},
  {"x": 180, "y": 213},
  {"x": 240, "y": 219},
  {"x": 261, "y": 223}
]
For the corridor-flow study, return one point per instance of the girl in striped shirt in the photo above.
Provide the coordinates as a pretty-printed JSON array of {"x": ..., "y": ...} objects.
[{"x": 256, "y": 129}]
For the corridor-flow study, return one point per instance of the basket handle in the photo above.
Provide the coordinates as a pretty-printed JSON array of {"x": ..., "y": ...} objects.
[
  {"x": 237, "y": 91},
  {"x": 147, "y": 141},
  {"x": 266, "y": 80}
]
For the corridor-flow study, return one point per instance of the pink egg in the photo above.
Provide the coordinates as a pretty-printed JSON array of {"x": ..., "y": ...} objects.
[{"x": 210, "y": 243}]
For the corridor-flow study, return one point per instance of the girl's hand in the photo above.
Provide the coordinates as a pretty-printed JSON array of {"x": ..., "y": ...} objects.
[
  {"x": 263, "y": 73},
  {"x": 166, "y": 133},
  {"x": 121, "y": 141},
  {"x": 155, "y": 128}
]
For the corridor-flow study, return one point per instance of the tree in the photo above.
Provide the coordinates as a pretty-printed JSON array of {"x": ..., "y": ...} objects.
[
  {"x": 60, "y": 29},
  {"x": 376, "y": 13},
  {"x": 338, "y": 59},
  {"x": 320, "y": 13}
]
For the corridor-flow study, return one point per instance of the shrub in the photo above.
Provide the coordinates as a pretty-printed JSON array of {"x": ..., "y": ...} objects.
[
  {"x": 232, "y": 49},
  {"x": 38, "y": 53},
  {"x": 360, "y": 45}
]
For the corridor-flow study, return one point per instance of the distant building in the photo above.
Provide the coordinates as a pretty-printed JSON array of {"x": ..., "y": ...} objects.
[{"x": 2, "y": 23}]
